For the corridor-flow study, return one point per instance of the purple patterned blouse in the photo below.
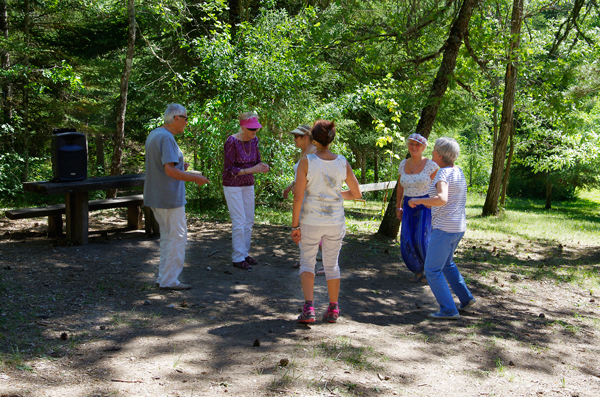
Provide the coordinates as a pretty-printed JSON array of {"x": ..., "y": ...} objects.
[{"x": 239, "y": 155}]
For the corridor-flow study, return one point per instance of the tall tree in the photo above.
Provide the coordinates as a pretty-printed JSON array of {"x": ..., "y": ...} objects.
[
  {"x": 26, "y": 131},
  {"x": 390, "y": 225},
  {"x": 490, "y": 207},
  {"x": 5, "y": 63},
  {"x": 119, "y": 137},
  {"x": 511, "y": 153}
]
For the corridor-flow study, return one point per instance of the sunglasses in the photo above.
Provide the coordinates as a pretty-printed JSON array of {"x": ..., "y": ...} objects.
[
  {"x": 252, "y": 129},
  {"x": 185, "y": 117}
]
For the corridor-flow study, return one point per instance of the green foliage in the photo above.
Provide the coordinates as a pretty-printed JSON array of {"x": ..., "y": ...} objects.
[
  {"x": 12, "y": 169},
  {"x": 368, "y": 65}
]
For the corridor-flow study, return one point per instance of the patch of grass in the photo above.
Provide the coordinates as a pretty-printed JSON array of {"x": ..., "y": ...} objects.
[
  {"x": 478, "y": 373},
  {"x": 285, "y": 375},
  {"x": 573, "y": 329},
  {"x": 12, "y": 359},
  {"x": 574, "y": 221},
  {"x": 119, "y": 320},
  {"x": 499, "y": 366},
  {"x": 176, "y": 363},
  {"x": 483, "y": 324},
  {"x": 341, "y": 349},
  {"x": 536, "y": 348}
]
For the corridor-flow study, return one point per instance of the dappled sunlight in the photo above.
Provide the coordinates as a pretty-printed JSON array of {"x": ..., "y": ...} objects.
[{"x": 91, "y": 314}]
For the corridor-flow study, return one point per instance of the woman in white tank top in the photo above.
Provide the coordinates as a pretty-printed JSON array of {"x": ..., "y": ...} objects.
[{"x": 318, "y": 215}]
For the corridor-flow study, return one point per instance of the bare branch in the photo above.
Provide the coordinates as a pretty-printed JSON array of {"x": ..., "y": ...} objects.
[
  {"x": 465, "y": 87},
  {"x": 419, "y": 61},
  {"x": 482, "y": 64}
]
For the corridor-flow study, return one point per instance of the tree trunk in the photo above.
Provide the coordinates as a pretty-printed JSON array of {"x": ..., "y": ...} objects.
[
  {"x": 495, "y": 117},
  {"x": 26, "y": 97},
  {"x": 390, "y": 224},
  {"x": 490, "y": 207},
  {"x": 234, "y": 16},
  {"x": 511, "y": 152},
  {"x": 440, "y": 84},
  {"x": 117, "y": 157},
  {"x": 376, "y": 167},
  {"x": 363, "y": 168},
  {"x": 548, "y": 194},
  {"x": 6, "y": 99},
  {"x": 100, "y": 153},
  {"x": 471, "y": 170}
]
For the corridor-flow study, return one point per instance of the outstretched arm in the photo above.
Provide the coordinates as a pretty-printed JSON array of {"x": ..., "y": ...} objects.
[{"x": 185, "y": 176}]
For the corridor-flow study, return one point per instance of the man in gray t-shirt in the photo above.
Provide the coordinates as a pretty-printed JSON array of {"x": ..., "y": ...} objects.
[{"x": 164, "y": 193}]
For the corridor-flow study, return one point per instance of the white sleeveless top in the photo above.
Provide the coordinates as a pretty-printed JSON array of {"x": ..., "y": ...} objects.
[
  {"x": 416, "y": 185},
  {"x": 323, "y": 203}
]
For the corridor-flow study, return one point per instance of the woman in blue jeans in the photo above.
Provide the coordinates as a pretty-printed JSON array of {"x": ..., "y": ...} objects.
[{"x": 447, "y": 199}]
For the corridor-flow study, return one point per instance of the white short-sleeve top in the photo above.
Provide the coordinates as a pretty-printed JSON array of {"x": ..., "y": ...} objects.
[
  {"x": 416, "y": 185},
  {"x": 450, "y": 217}
]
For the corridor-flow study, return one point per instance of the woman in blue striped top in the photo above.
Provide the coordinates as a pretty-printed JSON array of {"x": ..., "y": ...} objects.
[{"x": 447, "y": 199}]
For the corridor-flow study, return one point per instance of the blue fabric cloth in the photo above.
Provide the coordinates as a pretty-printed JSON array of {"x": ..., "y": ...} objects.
[
  {"x": 441, "y": 271},
  {"x": 415, "y": 235}
]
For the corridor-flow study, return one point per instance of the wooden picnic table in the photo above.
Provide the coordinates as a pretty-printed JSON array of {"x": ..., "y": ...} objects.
[{"x": 77, "y": 199}]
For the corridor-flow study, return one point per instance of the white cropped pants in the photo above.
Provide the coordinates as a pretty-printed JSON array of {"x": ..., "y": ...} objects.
[{"x": 331, "y": 238}]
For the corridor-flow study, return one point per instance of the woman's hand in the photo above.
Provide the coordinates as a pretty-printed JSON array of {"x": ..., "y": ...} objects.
[
  {"x": 261, "y": 168},
  {"x": 296, "y": 235},
  {"x": 414, "y": 202},
  {"x": 399, "y": 214},
  {"x": 287, "y": 190}
]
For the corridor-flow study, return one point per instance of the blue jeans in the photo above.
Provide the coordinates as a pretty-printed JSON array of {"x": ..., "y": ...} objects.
[{"x": 441, "y": 271}]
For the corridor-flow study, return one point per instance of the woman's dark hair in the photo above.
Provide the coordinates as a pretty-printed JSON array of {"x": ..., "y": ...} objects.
[{"x": 323, "y": 131}]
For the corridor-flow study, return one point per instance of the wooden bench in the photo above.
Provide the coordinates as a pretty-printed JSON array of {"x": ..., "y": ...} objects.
[{"x": 54, "y": 213}]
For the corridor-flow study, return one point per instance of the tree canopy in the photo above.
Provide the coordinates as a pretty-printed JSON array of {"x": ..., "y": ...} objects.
[{"x": 370, "y": 65}]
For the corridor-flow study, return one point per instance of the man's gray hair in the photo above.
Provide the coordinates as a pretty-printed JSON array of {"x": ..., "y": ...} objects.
[
  {"x": 448, "y": 149},
  {"x": 174, "y": 109}
]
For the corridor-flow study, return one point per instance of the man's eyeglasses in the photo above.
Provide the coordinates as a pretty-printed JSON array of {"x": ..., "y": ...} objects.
[{"x": 185, "y": 117}]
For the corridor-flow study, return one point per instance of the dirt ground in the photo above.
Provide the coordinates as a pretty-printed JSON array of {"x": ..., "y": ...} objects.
[{"x": 88, "y": 321}]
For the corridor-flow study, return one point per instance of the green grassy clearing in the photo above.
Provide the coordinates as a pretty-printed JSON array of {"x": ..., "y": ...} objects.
[{"x": 576, "y": 222}]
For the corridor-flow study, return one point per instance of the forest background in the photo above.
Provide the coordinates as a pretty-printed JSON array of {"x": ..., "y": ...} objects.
[{"x": 108, "y": 69}]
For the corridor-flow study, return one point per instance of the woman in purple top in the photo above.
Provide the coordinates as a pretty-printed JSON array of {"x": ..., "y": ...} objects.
[{"x": 242, "y": 161}]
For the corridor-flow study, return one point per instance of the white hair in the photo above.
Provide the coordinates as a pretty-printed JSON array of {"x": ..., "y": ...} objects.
[
  {"x": 174, "y": 109},
  {"x": 448, "y": 149}
]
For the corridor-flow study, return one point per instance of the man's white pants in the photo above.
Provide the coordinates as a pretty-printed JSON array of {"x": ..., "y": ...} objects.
[
  {"x": 240, "y": 202},
  {"x": 173, "y": 237}
]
